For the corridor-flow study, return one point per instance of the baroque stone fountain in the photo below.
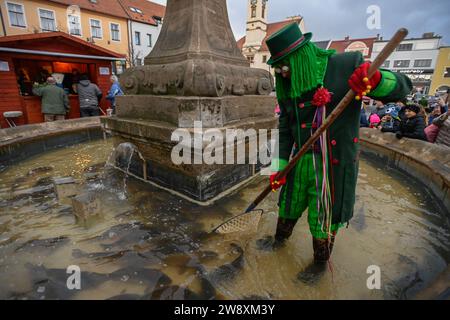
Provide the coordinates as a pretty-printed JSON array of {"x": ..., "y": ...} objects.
[{"x": 195, "y": 74}]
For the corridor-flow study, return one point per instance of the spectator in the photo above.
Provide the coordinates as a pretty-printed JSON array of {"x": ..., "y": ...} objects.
[
  {"x": 380, "y": 109},
  {"x": 363, "y": 123},
  {"x": 414, "y": 125},
  {"x": 90, "y": 97},
  {"x": 115, "y": 91},
  {"x": 55, "y": 103},
  {"x": 443, "y": 123},
  {"x": 391, "y": 121},
  {"x": 374, "y": 120}
]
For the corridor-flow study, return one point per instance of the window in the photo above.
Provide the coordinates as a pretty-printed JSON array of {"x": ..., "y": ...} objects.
[
  {"x": 137, "y": 38},
  {"x": 264, "y": 59},
  {"x": 253, "y": 11},
  {"x": 74, "y": 25},
  {"x": 422, "y": 63},
  {"x": 447, "y": 72},
  {"x": 251, "y": 59},
  {"x": 138, "y": 61},
  {"x": 96, "y": 29},
  {"x": 47, "y": 19},
  {"x": 405, "y": 47},
  {"x": 401, "y": 64},
  {"x": 16, "y": 15},
  {"x": 136, "y": 10},
  {"x": 150, "y": 42},
  {"x": 115, "y": 32},
  {"x": 386, "y": 64}
]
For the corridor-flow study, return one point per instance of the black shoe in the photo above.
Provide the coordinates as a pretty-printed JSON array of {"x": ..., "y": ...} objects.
[
  {"x": 268, "y": 244},
  {"x": 313, "y": 273}
]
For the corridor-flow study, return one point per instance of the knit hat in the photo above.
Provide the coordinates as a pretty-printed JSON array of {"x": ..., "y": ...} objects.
[
  {"x": 393, "y": 111},
  {"x": 374, "y": 118}
]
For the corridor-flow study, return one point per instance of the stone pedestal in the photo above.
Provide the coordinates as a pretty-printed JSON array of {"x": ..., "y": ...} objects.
[{"x": 195, "y": 73}]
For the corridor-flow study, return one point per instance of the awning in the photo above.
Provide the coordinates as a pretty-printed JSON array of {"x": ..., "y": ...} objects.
[{"x": 59, "y": 54}]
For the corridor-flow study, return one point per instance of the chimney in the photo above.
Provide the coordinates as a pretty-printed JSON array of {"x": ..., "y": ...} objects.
[
  {"x": 378, "y": 36},
  {"x": 347, "y": 38},
  {"x": 428, "y": 35}
]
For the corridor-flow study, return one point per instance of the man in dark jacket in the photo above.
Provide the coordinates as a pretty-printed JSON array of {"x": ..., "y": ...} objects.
[
  {"x": 414, "y": 125},
  {"x": 89, "y": 95}
]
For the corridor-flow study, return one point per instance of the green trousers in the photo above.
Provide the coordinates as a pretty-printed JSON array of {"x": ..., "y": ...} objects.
[{"x": 300, "y": 193}]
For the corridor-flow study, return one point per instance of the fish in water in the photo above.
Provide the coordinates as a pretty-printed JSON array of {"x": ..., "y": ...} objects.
[
  {"x": 229, "y": 270},
  {"x": 44, "y": 244}
]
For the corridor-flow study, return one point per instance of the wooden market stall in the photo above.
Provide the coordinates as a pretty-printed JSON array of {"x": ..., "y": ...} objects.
[{"x": 27, "y": 59}]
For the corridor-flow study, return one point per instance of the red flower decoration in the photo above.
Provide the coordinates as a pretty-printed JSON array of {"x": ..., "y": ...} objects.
[{"x": 321, "y": 98}]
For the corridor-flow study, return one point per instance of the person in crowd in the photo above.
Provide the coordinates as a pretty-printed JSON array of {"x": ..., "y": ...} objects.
[
  {"x": 90, "y": 96},
  {"x": 363, "y": 123},
  {"x": 391, "y": 121},
  {"x": 380, "y": 109},
  {"x": 440, "y": 130},
  {"x": 114, "y": 91},
  {"x": 374, "y": 121},
  {"x": 55, "y": 103},
  {"x": 414, "y": 125}
]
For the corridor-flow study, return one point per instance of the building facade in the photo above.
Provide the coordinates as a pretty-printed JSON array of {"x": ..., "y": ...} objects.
[
  {"x": 144, "y": 27},
  {"x": 441, "y": 76},
  {"x": 115, "y": 25},
  {"x": 415, "y": 57},
  {"x": 253, "y": 44}
]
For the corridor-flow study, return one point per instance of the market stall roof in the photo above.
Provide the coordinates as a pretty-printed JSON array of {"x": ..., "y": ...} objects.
[{"x": 58, "y": 44}]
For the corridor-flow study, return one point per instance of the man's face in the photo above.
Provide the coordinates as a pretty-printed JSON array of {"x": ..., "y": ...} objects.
[
  {"x": 410, "y": 114},
  {"x": 284, "y": 69}
]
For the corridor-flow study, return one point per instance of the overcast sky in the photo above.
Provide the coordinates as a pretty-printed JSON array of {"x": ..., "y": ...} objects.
[{"x": 335, "y": 19}]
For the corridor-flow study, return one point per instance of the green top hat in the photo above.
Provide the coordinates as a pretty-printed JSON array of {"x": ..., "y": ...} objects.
[{"x": 286, "y": 41}]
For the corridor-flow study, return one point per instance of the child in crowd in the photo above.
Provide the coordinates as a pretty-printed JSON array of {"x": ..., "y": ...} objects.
[
  {"x": 414, "y": 125},
  {"x": 374, "y": 120},
  {"x": 391, "y": 121}
]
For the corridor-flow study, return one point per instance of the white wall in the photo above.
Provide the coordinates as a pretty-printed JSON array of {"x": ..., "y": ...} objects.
[{"x": 142, "y": 51}]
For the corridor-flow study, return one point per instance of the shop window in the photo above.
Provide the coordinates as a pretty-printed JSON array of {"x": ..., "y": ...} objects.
[
  {"x": 422, "y": 63},
  {"x": 386, "y": 64},
  {"x": 47, "y": 18},
  {"x": 401, "y": 63},
  {"x": 405, "y": 47},
  {"x": 16, "y": 15},
  {"x": 96, "y": 29}
]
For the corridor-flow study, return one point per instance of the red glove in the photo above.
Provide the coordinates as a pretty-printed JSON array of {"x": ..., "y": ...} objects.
[
  {"x": 276, "y": 184},
  {"x": 360, "y": 83}
]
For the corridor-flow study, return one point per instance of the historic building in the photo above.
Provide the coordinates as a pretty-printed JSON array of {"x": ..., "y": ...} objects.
[
  {"x": 121, "y": 26},
  {"x": 416, "y": 57},
  {"x": 441, "y": 76},
  {"x": 253, "y": 44}
]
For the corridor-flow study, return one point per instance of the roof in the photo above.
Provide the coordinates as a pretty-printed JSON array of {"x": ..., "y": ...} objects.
[
  {"x": 149, "y": 10},
  {"x": 28, "y": 41},
  {"x": 271, "y": 29},
  {"x": 412, "y": 39},
  {"x": 322, "y": 44},
  {"x": 108, "y": 7},
  {"x": 341, "y": 45}
]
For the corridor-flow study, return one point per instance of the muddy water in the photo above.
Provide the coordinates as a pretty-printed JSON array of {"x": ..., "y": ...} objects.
[{"x": 148, "y": 244}]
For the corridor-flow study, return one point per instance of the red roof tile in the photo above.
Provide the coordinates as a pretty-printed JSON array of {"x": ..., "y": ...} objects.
[
  {"x": 149, "y": 10},
  {"x": 108, "y": 7}
]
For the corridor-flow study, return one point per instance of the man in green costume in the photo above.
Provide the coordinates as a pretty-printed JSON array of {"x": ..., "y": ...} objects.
[{"x": 310, "y": 82}]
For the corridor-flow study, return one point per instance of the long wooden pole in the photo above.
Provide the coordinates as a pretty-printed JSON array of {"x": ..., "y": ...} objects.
[{"x": 379, "y": 61}]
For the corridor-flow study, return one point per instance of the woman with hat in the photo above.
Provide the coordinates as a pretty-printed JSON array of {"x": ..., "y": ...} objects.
[{"x": 310, "y": 82}]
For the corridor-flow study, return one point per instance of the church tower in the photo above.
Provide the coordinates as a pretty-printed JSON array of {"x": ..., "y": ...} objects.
[{"x": 256, "y": 27}]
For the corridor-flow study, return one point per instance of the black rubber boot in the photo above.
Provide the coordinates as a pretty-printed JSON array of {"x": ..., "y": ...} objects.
[
  {"x": 284, "y": 231},
  {"x": 322, "y": 253}
]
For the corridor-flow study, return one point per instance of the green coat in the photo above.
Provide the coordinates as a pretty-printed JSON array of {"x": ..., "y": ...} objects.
[
  {"x": 54, "y": 99},
  {"x": 343, "y": 135}
]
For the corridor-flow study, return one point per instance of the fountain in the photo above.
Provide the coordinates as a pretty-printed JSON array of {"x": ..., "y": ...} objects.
[{"x": 195, "y": 73}]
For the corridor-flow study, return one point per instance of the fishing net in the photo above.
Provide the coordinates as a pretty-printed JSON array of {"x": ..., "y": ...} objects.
[{"x": 246, "y": 222}]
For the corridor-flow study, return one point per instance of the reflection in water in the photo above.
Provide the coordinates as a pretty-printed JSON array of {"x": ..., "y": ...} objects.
[{"x": 153, "y": 245}]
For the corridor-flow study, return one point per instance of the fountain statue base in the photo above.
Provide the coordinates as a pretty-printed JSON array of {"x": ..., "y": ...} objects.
[{"x": 153, "y": 125}]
